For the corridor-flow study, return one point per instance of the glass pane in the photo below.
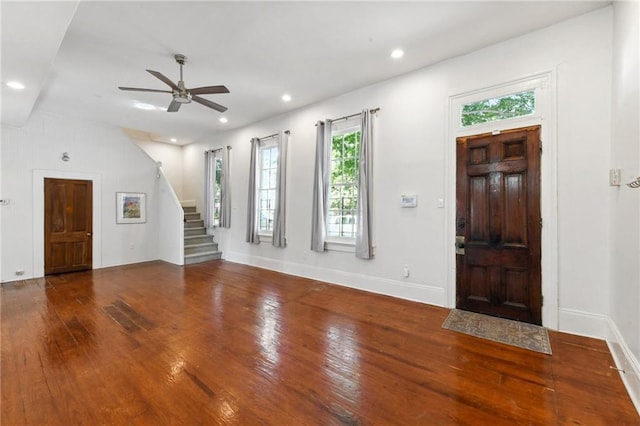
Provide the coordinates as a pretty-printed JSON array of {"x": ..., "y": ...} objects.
[
  {"x": 350, "y": 170},
  {"x": 262, "y": 200},
  {"x": 266, "y": 158},
  {"x": 336, "y": 147},
  {"x": 263, "y": 221},
  {"x": 218, "y": 171},
  {"x": 350, "y": 145},
  {"x": 349, "y": 203},
  {"x": 264, "y": 179},
  {"x": 501, "y": 108},
  {"x": 336, "y": 171},
  {"x": 334, "y": 197}
]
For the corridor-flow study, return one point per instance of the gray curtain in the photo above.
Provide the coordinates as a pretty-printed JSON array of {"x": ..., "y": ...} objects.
[
  {"x": 252, "y": 203},
  {"x": 279, "y": 227},
  {"x": 210, "y": 187},
  {"x": 225, "y": 189},
  {"x": 364, "y": 244},
  {"x": 321, "y": 185}
]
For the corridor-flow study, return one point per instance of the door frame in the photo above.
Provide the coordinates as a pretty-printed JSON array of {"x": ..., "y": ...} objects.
[
  {"x": 38, "y": 214},
  {"x": 545, "y": 116}
]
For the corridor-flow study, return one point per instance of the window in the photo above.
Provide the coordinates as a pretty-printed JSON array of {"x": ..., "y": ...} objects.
[
  {"x": 214, "y": 190},
  {"x": 500, "y": 108},
  {"x": 217, "y": 194},
  {"x": 343, "y": 193},
  {"x": 268, "y": 163}
]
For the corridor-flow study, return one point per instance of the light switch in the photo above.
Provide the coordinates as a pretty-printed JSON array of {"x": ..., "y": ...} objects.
[{"x": 614, "y": 177}]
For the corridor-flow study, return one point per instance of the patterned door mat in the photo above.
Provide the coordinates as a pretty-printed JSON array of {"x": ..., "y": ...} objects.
[{"x": 514, "y": 333}]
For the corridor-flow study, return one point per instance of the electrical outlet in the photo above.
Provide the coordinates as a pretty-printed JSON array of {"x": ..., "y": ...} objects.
[{"x": 20, "y": 272}]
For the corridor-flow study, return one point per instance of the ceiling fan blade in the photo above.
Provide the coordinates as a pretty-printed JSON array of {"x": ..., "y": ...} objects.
[
  {"x": 137, "y": 89},
  {"x": 208, "y": 103},
  {"x": 164, "y": 79},
  {"x": 208, "y": 90},
  {"x": 174, "y": 106}
]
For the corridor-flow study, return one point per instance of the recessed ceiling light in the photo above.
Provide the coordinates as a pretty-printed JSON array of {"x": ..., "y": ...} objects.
[
  {"x": 397, "y": 54},
  {"x": 223, "y": 119},
  {"x": 15, "y": 85},
  {"x": 173, "y": 140},
  {"x": 142, "y": 105},
  {"x": 286, "y": 97}
]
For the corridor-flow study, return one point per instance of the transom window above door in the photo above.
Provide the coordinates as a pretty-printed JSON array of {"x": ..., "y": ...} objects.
[{"x": 499, "y": 108}]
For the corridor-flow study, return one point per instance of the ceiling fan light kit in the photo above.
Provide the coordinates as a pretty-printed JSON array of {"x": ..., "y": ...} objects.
[{"x": 182, "y": 95}]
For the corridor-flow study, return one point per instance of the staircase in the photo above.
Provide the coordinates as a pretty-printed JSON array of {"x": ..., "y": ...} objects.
[{"x": 198, "y": 246}]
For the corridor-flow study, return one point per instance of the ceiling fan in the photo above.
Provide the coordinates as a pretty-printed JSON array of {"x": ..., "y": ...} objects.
[{"x": 182, "y": 95}]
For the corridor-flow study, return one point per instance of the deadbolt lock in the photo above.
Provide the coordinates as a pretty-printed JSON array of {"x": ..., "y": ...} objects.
[{"x": 459, "y": 244}]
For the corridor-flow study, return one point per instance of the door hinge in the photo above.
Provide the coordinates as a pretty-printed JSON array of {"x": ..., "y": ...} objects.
[
  {"x": 540, "y": 222},
  {"x": 541, "y": 148},
  {"x": 541, "y": 300}
]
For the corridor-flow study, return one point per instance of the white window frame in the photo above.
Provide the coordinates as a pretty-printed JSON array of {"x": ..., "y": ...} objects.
[
  {"x": 343, "y": 127},
  {"x": 265, "y": 235}
]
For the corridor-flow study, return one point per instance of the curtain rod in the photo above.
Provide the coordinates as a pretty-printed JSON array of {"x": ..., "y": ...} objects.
[
  {"x": 346, "y": 117},
  {"x": 219, "y": 149},
  {"x": 273, "y": 135}
]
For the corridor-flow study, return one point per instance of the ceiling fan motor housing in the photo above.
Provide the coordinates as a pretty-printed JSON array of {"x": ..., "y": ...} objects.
[{"x": 183, "y": 98}]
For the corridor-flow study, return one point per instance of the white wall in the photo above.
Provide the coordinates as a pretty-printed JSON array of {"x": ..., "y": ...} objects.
[
  {"x": 1, "y": 207},
  {"x": 410, "y": 157},
  {"x": 171, "y": 157},
  {"x": 170, "y": 223},
  {"x": 625, "y": 202},
  {"x": 98, "y": 152}
]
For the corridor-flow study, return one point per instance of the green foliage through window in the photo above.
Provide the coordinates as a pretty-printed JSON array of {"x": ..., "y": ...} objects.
[
  {"x": 343, "y": 195},
  {"x": 501, "y": 108}
]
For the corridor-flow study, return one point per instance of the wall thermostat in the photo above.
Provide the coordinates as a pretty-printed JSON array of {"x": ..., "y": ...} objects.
[{"x": 410, "y": 200}]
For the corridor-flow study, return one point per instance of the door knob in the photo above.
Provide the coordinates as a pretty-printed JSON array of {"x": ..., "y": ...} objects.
[{"x": 89, "y": 234}]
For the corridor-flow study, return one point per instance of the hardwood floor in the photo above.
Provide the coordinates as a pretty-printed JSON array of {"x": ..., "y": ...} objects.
[{"x": 222, "y": 343}]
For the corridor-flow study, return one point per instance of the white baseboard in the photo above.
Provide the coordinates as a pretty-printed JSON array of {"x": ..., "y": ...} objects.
[
  {"x": 583, "y": 323},
  {"x": 423, "y": 293},
  {"x": 626, "y": 362}
]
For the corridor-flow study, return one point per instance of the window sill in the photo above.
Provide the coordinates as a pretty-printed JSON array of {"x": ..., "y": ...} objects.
[
  {"x": 347, "y": 246},
  {"x": 267, "y": 238}
]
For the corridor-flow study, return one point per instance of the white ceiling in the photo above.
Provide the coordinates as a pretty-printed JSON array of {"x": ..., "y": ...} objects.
[{"x": 73, "y": 55}]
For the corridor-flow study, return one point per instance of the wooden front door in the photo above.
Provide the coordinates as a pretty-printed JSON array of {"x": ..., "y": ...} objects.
[
  {"x": 68, "y": 226},
  {"x": 498, "y": 224}
]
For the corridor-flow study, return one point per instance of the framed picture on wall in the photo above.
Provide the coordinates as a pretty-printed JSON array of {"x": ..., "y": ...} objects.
[{"x": 131, "y": 207}]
